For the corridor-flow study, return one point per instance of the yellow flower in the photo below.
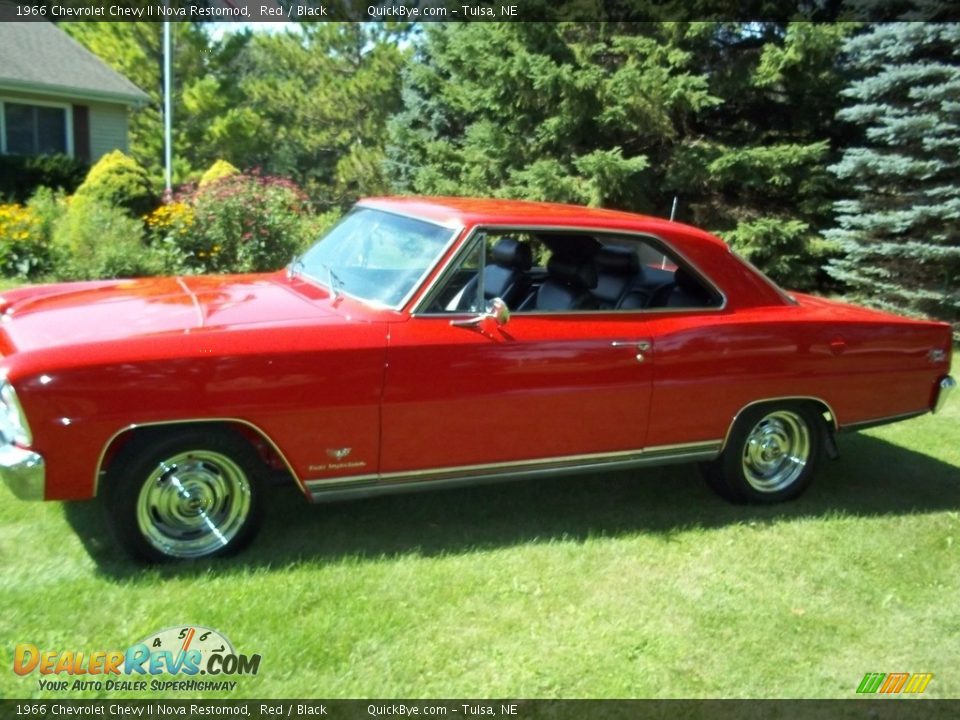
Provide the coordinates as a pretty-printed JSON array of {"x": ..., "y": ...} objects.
[
  {"x": 18, "y": 223},
  {"x": 170, "y": 215}
]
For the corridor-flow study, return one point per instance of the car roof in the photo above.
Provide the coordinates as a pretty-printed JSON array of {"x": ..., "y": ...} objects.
[{"x": 468, "y": 212}]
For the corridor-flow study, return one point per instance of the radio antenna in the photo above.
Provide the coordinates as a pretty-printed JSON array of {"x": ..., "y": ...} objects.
[{"x": 673, "y": 210}]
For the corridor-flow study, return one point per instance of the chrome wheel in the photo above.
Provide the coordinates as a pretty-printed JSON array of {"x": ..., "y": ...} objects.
[
  {"x": 193, "y": 503},
  {"x": 776, "y": 451}
]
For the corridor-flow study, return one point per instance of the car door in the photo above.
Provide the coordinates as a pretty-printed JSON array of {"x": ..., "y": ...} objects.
[{"x": 542, "y": 387}]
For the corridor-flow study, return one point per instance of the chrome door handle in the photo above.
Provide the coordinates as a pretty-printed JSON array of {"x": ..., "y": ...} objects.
[{"x": 642, "y": 346}]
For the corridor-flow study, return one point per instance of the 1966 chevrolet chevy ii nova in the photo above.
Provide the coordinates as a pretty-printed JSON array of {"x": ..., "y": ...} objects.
[{"x": 424, "y": 342}]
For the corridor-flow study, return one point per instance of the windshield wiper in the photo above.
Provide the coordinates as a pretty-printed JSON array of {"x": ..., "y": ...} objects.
[
  {"x": 335, "y": 283},
  {"x": 297, "y": 266}
]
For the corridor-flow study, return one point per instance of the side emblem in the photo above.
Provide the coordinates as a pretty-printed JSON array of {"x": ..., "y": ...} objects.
[
  {"x": 937, "y": 356},
  {"x": 338, "y": 453}
]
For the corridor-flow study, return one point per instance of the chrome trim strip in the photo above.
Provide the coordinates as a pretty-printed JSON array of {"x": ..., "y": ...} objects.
[
  {"x": 363, "y": 485},
  {"x": 946, "y": 386},
  {"x": 442, "y": 275},
  {"x": 833, "y": 415},
  {"x": 884, "y": 420},
  {"x": 190, "y": 421},
  {"x": 586, "y": 230},
  {"x": 341, "y": 481}
]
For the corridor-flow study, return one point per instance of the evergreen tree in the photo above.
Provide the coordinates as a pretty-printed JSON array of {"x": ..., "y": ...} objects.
[
  {"x": 734, "y": 118},
  {"x": 544, "y": 111},
  {"x": 323, "y": 95},
  {"x": 900, "y": 229},
  {"x": 753, "y": 168}
]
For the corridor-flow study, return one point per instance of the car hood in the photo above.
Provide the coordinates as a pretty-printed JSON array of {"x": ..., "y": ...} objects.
[{"x": 94, "y": 312}]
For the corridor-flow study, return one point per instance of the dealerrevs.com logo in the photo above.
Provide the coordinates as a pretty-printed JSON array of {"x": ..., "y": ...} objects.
[{"x": 186, "y": 651}]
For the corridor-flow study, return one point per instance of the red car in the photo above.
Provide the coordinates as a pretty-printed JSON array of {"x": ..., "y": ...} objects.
[{"x": 430, "y": 342}]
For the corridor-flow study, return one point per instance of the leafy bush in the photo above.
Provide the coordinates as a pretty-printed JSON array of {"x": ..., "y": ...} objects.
[
  {"x": 219, "y": 170},
  {"x": 239, "y": 223},
  {"x": 95, "y": 240},
  {"x": 119, "y": 181},
  {"x": 21, "y": 175}
]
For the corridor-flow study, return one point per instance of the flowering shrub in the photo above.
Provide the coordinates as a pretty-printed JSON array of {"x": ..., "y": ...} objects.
[
  {"x": 238, "y": 223},
  {"x": 23, "y": 246}
]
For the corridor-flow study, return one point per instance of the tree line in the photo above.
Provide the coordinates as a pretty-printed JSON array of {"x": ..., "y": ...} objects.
[{"x": 827, "y": 153}]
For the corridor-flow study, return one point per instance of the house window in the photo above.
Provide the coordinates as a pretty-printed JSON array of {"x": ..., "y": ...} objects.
[{"x": 31, "y": 129}]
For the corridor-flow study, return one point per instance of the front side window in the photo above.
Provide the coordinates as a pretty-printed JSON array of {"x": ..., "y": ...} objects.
[
  {"x": 34, "y": 129},
  {"x": 375, "y": 256}
]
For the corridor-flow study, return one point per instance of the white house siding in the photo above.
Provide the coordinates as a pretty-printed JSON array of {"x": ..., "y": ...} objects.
[{"x": 108, "y": 129}]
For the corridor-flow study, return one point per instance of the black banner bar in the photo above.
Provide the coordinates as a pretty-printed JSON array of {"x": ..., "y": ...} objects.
[{"x": 474, "y": 11}]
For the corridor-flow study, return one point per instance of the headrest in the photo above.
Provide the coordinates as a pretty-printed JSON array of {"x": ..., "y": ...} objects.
[
  {"x": 617, "y": 260},
  {"x": 511, "y": 253},
  {"x": 581, "y": 274}
]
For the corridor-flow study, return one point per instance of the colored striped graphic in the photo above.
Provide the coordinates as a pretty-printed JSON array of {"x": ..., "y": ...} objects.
[{"x": 894, "y": 683}]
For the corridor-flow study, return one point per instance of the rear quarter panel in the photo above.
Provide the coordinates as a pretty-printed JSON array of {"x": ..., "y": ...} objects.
[{"x": 865, "y": 366}]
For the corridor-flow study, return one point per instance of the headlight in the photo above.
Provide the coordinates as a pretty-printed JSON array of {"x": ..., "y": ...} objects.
[{"x": 13, "y": 423}]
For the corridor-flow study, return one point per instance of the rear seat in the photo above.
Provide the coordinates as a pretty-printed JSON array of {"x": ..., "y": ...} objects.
[
  {"x": 617, "y": 270},
  {"x": 566, "y": 287},
  {"x": 684, "y": 292}
]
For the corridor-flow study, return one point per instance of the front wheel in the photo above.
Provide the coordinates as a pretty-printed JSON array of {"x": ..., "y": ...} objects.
[
  {"x": 771, "y": 454},
  {"x": 187, "y": 495}
]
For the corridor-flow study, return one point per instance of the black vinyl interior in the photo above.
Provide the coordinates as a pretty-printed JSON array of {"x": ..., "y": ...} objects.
[
  {"x": 507, "y": 276},
  {"x": 611, "y": 278}
]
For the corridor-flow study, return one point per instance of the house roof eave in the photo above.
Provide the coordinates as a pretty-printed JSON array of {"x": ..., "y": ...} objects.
[{"x": 63, "y": 92}]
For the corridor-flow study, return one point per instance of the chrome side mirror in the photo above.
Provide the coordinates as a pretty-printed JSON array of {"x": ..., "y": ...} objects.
[{"x": 496, "y": 311}]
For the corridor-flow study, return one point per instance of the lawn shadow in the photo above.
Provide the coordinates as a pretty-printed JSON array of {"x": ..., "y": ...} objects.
[{"x": 872, "y": 478}]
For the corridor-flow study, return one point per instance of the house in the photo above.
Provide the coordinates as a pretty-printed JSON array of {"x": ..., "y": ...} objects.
[{"x": 58, "y": 97}]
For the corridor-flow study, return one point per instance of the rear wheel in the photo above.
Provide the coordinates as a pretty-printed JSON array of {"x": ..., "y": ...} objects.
[
  {"x": 187, "y": 495},
  {"x": 771, "y": 454}
]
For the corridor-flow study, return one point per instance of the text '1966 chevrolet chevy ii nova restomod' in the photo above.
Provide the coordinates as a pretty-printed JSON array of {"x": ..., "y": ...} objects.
[{"x": 430, "y": 341}]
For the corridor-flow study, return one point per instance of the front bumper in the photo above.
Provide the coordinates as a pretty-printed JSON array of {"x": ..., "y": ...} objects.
[
  {"x": 23, "y": 472},
  {"x": 944, "y": 388}
]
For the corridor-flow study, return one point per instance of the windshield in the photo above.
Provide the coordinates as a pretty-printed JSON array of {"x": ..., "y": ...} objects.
[{"x": 374, "y": 256}]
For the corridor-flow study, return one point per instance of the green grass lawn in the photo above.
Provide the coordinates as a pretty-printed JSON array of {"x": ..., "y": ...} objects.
[{"x": 624, "y": 585}]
